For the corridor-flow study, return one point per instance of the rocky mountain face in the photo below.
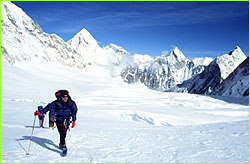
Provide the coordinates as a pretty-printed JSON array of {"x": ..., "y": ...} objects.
[
  {"x": 163, "y": 72},
  {"x": 175, "y": 73},
  {"x": 214, "y": 74},
  {"x": 237, "y": 83},
  {"x": 23, "y": 40}
]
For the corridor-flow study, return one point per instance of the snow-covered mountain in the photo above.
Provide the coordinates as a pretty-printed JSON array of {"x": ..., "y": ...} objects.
[
  {"x": 117, "y": 49},
  {"x": 83, "y": 40},
  {"x": 142, "y": 59},
  {"x": 202, "y": 61},
  {"x": 23, "y": 40},
  {"x": 229, "y": 62},
  {"x": 237, "y": 83},
  {"x": 117, "y": 54},
  {"x": 217, "y": 71},
  {"x": 174, "y": 72},
  {"x": 163, "y": 72},
  {"x": 200, "y": 64},
  {"x": 84, "y": 43}
]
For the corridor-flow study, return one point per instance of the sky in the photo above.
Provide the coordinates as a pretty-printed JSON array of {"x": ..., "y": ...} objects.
[{"x": 198, "y": 29}]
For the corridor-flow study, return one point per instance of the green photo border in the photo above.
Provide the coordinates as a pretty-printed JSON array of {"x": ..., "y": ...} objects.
[{"x": 118, "y": 1}]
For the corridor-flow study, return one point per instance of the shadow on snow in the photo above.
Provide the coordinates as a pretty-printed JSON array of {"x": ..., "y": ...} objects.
[
  {"x": 41, "y": 142},
  {"x": 37, "y": 127},
  {"x": 233, "y": 100}
]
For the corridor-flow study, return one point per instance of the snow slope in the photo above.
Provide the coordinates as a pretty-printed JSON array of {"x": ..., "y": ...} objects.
[
  {"x": 117, "y": 122},
  {"x": 84, "y": 43},
  {"x": 237, "y": 83},
  {"x": 23, "y": 40},
  {"x": 229, "y": 62},
  {"x": 214, "y": 74},
  {"x": 202, "y": 61}
]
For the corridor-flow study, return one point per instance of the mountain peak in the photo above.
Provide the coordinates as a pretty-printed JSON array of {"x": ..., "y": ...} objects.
[
  {"x": 176, "y": 48},
  {"x": 229, "y": 62},
  {"x": 176, "y": 53},
  {"x": 13, "y": 16},
  {"x": 83, "y": 38},
  {"x": 237, "y": 49},
  {"x": 117, "y": 48},
  {"x": 83, "y": 32}
]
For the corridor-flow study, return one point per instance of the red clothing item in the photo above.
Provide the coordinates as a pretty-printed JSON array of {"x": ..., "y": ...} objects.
[{"x": 73, "y": 124}]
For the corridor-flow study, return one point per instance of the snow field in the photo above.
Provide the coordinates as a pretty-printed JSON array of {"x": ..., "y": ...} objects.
[{"x": 117, "y": 122}]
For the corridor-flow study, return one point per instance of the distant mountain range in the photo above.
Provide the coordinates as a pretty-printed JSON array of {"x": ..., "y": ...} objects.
[{"x": 24, "y": 41}]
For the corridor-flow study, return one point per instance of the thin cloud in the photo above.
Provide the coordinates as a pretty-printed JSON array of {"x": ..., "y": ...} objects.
[
  {"x": 115, "y": 15},
  {"x": 137, "y": 16}
]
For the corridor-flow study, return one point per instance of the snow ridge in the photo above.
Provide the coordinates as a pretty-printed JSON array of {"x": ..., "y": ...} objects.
[
  {"x": 237, "y": 83},
  {"x": 163, "y": 72},
  {"x": 214, "y": 73},
  {"x": 24, "y": 41}
]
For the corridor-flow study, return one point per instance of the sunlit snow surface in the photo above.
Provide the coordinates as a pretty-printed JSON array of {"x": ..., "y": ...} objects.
[{"x": 116, "y": 121}]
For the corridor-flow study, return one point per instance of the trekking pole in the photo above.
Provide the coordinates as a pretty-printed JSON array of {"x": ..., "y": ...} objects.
[{"x": 31, "y": 135}]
